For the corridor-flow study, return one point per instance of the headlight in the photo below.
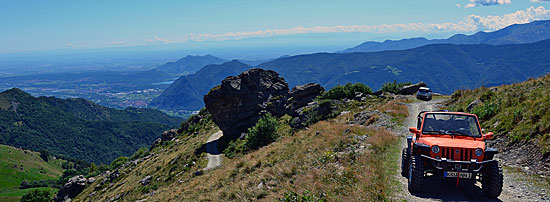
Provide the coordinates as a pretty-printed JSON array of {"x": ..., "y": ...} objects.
[
  {"x": 435, "y": 149},
  {"x": 479, "y": 152}
]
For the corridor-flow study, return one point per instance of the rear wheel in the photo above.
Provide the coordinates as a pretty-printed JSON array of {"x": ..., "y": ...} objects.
[
  {"x": 416, "y": 174},
  {"x": 405, "y": 163},
  {"x": 491, "y": 180}
]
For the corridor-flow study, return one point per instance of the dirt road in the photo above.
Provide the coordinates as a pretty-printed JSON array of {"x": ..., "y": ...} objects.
[
  {"x": 212, "y": 153},
  {"x": 514, "y": 189}
]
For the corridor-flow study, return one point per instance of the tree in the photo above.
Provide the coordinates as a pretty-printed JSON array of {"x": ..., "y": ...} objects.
[
  {"x": 45, "y": 155},
  {"x": 37, "y": 196}
]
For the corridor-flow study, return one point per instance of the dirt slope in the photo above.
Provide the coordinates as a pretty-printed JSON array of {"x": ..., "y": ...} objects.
[{"x": 516, "y": 185}]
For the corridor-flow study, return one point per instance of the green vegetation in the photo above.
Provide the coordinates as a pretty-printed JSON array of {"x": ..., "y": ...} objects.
[
  {"x": 346, "y": 91},
  {"x": 37, "y": 196},
  {"x": 393, "y": 87},
  {"x": 306, "y": 196},
  {"x": 520, "y": 111},
  {"x": 24, "y": 169},
  {"x": 78, "y": 128},
  {"x": 262, "y": 134},
  {"x": 196, "y": 122}
]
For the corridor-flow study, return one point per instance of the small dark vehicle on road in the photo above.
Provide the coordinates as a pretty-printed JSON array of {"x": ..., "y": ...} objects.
[
  {"x": 450, "y": 146},
  {"x": 424, "y": 94}
]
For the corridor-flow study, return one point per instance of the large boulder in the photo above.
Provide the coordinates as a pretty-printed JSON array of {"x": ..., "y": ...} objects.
[
  {"x": 71, "y": 189},
  {"x": 239, "y": 102},
  {"x": 312, "y": 112},
  {"x": 411, "y": 89},
  {"x": 301, "y": 95},
  {"x": 169, "y": 135}
]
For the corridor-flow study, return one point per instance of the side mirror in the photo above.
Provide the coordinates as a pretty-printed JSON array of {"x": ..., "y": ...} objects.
[
  {"x": 414, "y": 130},
  {"x": 488, "y": 135}
]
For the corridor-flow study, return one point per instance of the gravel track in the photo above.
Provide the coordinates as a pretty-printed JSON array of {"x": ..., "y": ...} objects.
[{"x": 515, "y": 188}]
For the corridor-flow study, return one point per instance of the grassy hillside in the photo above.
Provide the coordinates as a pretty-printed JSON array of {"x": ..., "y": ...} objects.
[
  {"x": 330, "y": 160},
  {"x": 76, "y": 127},
  {"x": 520, "y": 112},
  {"x": 17, "y": 165}
]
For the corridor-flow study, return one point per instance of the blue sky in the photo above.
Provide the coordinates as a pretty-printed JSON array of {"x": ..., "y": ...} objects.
[{"x": 44, "y": 25}]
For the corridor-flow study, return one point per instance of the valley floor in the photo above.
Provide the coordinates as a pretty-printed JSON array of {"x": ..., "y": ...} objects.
[{"x": 518, "y": 186}]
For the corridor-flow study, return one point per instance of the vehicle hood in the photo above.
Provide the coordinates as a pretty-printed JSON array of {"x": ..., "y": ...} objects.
[{"x": 453, "y": 143}]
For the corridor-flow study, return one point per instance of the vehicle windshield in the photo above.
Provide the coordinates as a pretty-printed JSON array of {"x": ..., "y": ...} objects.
[{"x": 451, "y": 124}]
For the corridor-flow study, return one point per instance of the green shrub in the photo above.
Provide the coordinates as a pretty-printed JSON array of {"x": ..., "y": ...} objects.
[
  {"x": 306, "y": 196},
  {"x": 118, "y": 162},
  {"x": 393, "y": 87},
  {"x": 346, "y": 91},
  {"x": 487, "y": 110},
  {"x": 262, "y": 134},
  {"x": 487, "y": 95},
  {"x": 234, "y": 148},
  {"x": 140, "y": 153},
  {"x": 37, "y": 196},
  {"x": 45, "y": 155}
]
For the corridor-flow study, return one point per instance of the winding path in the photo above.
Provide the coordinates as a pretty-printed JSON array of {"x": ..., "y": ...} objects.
[{"x": 214, "y": 156}]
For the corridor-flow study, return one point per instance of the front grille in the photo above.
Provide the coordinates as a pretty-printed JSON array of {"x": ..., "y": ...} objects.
[{"x": 457, "y": 154}]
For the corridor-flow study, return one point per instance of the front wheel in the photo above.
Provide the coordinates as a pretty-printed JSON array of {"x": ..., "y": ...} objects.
[
  {"x": 405, "y": 163},
  {"x": 416, "y": 174},
  {"x": 491, "y": 180}
]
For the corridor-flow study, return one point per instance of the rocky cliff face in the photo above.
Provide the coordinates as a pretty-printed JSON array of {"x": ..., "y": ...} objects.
[{"x": 239, "y": 102}]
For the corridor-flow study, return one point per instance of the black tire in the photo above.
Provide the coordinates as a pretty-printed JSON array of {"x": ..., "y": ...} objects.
[
  {"x": 405, "y": 163},
  {"x": 491, "y": 180},
  {"x": 416, "y": 174}
]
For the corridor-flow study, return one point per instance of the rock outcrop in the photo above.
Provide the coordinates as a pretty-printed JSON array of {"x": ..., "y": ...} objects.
[
  {"x": 72, "y": 188},
  {"x": 240, "y": 101},
  {"x": 411, "y": 89},
  {"x": 166, "y": 136},
  {"x": 169, "y": 135},
  {"x": 301, "y": 95}
]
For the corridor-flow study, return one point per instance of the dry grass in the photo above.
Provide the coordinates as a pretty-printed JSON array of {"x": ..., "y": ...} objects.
[
  {"x": 328, "y": 159},
  {"x": 396, "y": 109}
]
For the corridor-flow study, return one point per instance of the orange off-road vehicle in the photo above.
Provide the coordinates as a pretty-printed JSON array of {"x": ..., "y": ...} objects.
[{"x": 450, "y": 145}]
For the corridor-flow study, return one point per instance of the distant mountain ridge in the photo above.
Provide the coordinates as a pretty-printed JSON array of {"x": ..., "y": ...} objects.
[
  {"x": 513, "y": 34},
  {"x": 444, "y": 67},
  {"x": 189, "y": 89},
  {"x": 190, "y": 64},
  {"x": 76, "y": 127}
]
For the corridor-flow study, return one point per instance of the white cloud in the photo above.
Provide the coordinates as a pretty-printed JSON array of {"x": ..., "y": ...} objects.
[
  {"x": 157, "y": 40},
  {"x": 75, "y": 45},
  {"x": 540, "y": 0},
  {"x": 490, "y": 23},
  {"x": 471, "y": 23},
  {"x": 475, "y": 3},
  {"x": 117, "y": 43},
  {"x": 458, "y": 5}
]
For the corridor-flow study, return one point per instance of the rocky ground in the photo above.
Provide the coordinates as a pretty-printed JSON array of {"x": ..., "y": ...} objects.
[{"x": 518, "y": 185}]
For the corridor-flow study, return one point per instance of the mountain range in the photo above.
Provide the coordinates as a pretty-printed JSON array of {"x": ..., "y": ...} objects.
[
  {"x": 444, "y": 67},
  {"x": 187, "y": 91},
  {"x": 513, "y": 34},
  {"x": 77, "y": 128},
  {"x": 190, "y": 64}
]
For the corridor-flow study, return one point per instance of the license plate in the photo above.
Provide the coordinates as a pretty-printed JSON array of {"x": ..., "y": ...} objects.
[{"x": 453, "y": 174}]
